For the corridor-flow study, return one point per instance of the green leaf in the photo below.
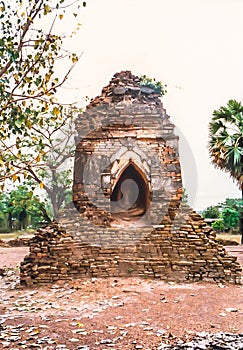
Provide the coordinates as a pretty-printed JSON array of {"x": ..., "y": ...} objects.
[
  {"x": 18, "y": 123},
  {"x": 47, "y": 9}
]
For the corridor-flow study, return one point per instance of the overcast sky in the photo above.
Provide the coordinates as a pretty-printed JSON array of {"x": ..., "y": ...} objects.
[{"x": 193, "y": 46}]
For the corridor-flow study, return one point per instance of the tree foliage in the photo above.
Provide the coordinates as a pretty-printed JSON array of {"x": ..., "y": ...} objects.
[
  {"x": 226, "y": 143},
  {"x": 228, "y": 213},
  {"x": 20, "y": 207},
  {"x": 230, "y": 218},
  {"x": 218, "y": 225},
  {"x": 232, "y": 203},
  {"x": 235, "y": 205},
  {"x": 211, "y": 212},
  {"x": 54, "y": 172},
  {"x": 226, "y": 140},
  {"x": 28, "y": 59}
]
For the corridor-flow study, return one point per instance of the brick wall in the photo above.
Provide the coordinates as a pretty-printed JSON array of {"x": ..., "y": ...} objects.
[{"x": 127, "y": 124}]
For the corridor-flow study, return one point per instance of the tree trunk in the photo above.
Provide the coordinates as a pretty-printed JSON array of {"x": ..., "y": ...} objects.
[
  {"x": 10, "y": 222},
  {"x": 53, "y": 198},
  {"x": 56, "y": 211},
  {"x": 22, "y": 219},
  {"x": 45, "y": 215},
  {"x": 241, "y": 219},
  {"x": 53, "y": 194}
]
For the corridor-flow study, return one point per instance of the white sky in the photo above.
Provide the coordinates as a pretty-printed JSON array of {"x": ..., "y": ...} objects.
[{"x": 193, "y": 46}]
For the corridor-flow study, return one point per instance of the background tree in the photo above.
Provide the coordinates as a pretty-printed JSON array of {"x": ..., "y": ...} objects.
[
  {"x": 29, "y": 57},
  {"x": 22, "y": 208},
  {"x": 3, "y": 210},
  {"x": 226, "y": 143},
  {"x": 54, "y": 171},
  {"x": 218, "y": 225},
  {"x": 233, "y": 203},
  {"x": 230, "y": 218},
  {"x": 211, "y": 212}
]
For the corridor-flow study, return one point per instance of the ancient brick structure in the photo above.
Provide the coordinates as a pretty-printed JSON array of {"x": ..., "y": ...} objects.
[
  {"x": 128, "y": 217},
  {"x": 126, "y": 134}
]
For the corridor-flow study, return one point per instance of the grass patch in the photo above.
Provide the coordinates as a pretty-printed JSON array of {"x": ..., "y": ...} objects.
[
  {"x": 16, "y": 234},
  {"x": 229, "y": 237}
]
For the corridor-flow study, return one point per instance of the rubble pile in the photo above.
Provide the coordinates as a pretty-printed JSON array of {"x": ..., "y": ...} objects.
[
  {"x": 125, "y": 85},
  {"x": 188, "y": 254}
]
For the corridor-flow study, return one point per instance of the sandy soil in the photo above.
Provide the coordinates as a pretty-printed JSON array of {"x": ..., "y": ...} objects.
[{"x": 129, "y": 313}]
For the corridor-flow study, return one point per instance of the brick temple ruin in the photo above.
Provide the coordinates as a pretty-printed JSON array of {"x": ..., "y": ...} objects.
[{"x": 127, "y": 216}]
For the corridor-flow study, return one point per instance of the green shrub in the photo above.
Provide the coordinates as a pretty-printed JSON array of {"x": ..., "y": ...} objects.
[
  {"x": 151, "y": 83},
  {"x": 218, "y": 226}
]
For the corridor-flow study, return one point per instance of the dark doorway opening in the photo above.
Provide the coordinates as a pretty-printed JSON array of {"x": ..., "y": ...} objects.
[{"x": 130, "y": 198}]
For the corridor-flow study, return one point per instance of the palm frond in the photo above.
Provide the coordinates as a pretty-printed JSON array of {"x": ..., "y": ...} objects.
[{"x": 226, "y": 139}]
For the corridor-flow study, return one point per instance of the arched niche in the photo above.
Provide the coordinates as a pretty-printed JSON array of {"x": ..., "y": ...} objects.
[
  {"x": 120, "y": 161},
  {"x": 130, "y": 197}
]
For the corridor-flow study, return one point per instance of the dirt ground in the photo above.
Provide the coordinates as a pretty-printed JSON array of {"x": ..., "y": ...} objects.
[{"x": 129, "y": 313}]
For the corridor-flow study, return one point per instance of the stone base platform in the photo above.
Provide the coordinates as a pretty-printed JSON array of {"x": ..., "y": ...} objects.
[{"x": 176, "y": 250}]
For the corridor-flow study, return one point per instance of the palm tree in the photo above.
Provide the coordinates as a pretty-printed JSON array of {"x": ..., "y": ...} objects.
[{"x": 226, "y": 143}]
